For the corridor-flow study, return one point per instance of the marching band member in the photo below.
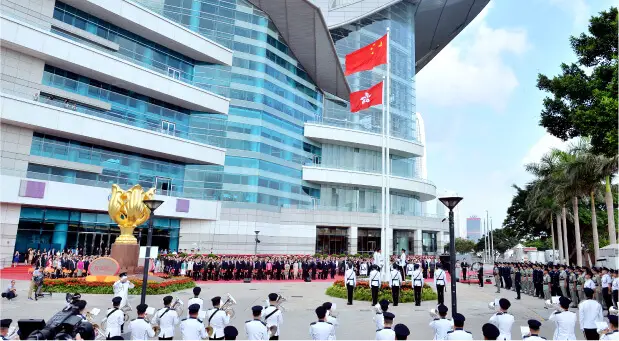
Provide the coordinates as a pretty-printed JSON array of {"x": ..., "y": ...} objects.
[
  {"x": 503, "y": 320},
  {"x": 439, "y": 283},
  {"x": 590, "y": 312},
  {"x": 565, "y": 321},
  {"x": 351, "y": 281},
  {"x": 490, "y": 331},
  {"x": 417, "y": 278},
  {"x": 401, "y": 331},
  {"x": 230, "y": 333},
  {"x": 378, "y": 317},
  {"x": 394, "y": 283},
  {"x": 115, "y": 319},
  {"x": 140, "y": 329},
  {"x": 256, "y": 329},
  {"x": 330, "y": 318},
  {"x": 192, "y": 328},
  {"x": 374, "y": 283},
  {"x": 534, "y": 331},
  {"x": 273, "y": 316},
  {"x": 321, "y": 330},
  {"x": 459, "y": 333},
  {"x": 441, "y": 325},
  {"x": 611, "y": 333},
  {"x": 195, "y": 299},
  {"x": 121, "y": 289},
  {"x": 386, "y": 333},
  {"x": 218, "y": 319},
  {"x": 167, "y": 319}
]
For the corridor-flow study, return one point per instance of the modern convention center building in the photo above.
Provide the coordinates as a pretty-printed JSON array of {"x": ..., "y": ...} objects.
[{"x": 234, "y": 110}]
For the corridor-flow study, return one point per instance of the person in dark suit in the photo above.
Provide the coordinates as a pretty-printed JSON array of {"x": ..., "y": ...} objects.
[
  {"x": 464, "y": 265},
  {"x": 517, "y": 278},
  {"x": 480, "y": 274},
  {"x": 333, "y": 266},
  {"x": 313, "y": 268}
]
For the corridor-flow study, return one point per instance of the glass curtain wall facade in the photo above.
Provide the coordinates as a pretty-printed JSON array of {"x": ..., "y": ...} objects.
[{"x": 332, "y": 240}]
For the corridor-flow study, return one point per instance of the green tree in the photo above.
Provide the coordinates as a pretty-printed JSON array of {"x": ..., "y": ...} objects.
[
  {"x": 583, "y": 99},
  {"x": 464, "y": 245},
  {"x": 502, "y": 239}
]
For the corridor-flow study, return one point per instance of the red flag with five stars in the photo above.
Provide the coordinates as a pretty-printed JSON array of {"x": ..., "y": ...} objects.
[
  {"x": 364, "y": 99},
  {"x": 368, "y": 57}
]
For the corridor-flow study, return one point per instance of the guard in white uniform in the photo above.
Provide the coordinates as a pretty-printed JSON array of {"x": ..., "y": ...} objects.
[
  {"x": 386, "y": 333},
  {"x": 115, "y": 319},
  {"x": 351, "y": 281},
  {"x": 401, "y": 331},
  {"x": 565, "y": 321},
  {"x": 611, "y": 333},
  {"x": 378, "y": 317},
  {"x": 121, "y": 289},
  {"x": 590, "y": 312},
  {"x": 140, "y": 329},
  {"x": 439, "y": 282},
  {"x": 417, "y": 278},
  {"x": 441, "y": 325},
  {"x": 374, "y": 284},
  {"x": 321, "y": 330},
  {"x": 256, "y": 329},
  {"x": 167, "y": 319},
  {"x": 534, "y": 326},
  {"x": 395, "y": 283},
  {"x": 330, "y": 318},
  {"x": 410, "y": 267},
  {"x": 615, "y": 287},
  {"x": 459, "y": 333},
  {"x": 195, "y": 299},
  {"x": 193, "y": 328},
  {"x": 273, "y": 317},
  {"x": 503, "y": 320},
  {"x": 403, "y": 263},
  {"x": 217, "y": 318}
]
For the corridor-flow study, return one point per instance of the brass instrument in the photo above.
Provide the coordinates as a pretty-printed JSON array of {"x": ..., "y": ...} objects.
[
  {"x": 378, "y": 308},
  {"x": 177, "y": 306},
  {"x": 333, "y": 311},
  {"x": 279, "y": 305},
  {"x": 613, "y": 311},
  {"x": 227, "y": 307},
  {"x": 90, "y": 317},
  {"x": 552, "y": 303},
  {"x": 13, "y": 333},
  {"x": 434, "y": 313},
  {"x": 494, "y": 305}
]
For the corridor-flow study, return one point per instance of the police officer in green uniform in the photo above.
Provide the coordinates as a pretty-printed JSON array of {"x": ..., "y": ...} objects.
[
  {"x": 546, "y": 284},
  {"x": 562, "y": 284}
]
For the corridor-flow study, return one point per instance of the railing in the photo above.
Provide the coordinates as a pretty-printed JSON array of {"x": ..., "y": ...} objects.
[
  {"x": 361, "y": 125},
  {"x": 340, "y": 3}
]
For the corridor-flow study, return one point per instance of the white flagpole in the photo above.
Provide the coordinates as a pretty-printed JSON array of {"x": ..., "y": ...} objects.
[
  {"x": 387, "y": 159},
  {"x": 383, "y": 180}
]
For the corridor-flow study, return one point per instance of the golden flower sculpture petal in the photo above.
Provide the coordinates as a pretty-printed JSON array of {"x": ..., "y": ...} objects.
[{"x": 127, "y": 209}]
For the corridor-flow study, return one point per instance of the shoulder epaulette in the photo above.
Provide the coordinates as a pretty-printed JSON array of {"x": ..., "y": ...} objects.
[
  {"x": 498, "y": 314},
  {"x": 379, "y": 313},
  {"x": 263, "y": 322},
  {"x": 185, "y": 318},
  {"x": 329, "y": 323},
  {"x": 451, "y": 331},
  {"x": 557, "y": 312},
  {"x": 468, "y": 332},
  {"x": 248, "y": 321},
  {"x": 524, "y": 337},
  {"x": 313, "y": 323},
  {"x": 436, "y": 319},
  {"x": 543, "y": 337},
  {"x": 199, "y": 320}
]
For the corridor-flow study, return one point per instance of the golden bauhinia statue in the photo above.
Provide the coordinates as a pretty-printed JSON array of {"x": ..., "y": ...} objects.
[{"x": 127, "y": 209}]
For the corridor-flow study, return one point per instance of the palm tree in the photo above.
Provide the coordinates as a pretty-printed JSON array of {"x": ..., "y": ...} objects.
[
  {"x": 608, "y": 168},
  {"x": 542, "y": 207}
]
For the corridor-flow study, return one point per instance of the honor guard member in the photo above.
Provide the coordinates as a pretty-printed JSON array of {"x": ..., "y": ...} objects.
[
  {"x": 217, "y": 318},
  {"x": 590, "y": 312},
  {"x": 439, "y": 282},
  {"x": 615, "y": 287},
  {"x": 410, "y": 267},
  {"x": 115, "y": 319},
  {"x": 378, "y": 317},
  {"x": 490, "y": 331},
  {"x": 441, "y": 325},
  {"x": 565, "y": 321},
  {"x": 546, "y": 284},
  {"x": 459, "y": 333},
  {"x": 195, "y": 299},
  {"x": 611, "y": 333},
  {"x": 395, "y": 282},
  {"x": 374, "y": 284},
  {"x": 256, "y": 329},
  {"x": 273, "y": 316},
  {"x": 121, "y": 289},
  {"x": 321, "y": 330},
  {"x": 403, "y": 263},
  {"x": 351, "y": 281},
  {"x": 386, "y": 333},
  {"x": 401, "y": 331},
  {"x": 503, "y": 320},
  {"x": 534, "y": 326},
  {"x": 230, "y": 333},
  {"x": 417, "y": 281},
  {"x": 330, "y": 318},
  {"x": 192, "y": 328},
  {"x": 140, "y": 329},
  {"x": 166, "y": 319}
]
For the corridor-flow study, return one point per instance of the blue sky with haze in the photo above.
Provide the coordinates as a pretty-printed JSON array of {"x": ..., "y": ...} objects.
[{"x": 480, "y": 104}]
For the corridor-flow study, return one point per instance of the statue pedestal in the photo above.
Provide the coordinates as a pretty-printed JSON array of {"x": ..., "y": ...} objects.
[{"x": 127, "y": 256}]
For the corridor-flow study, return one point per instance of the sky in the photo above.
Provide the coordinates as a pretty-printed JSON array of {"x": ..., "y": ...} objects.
[{"x": 480, "y": 104}]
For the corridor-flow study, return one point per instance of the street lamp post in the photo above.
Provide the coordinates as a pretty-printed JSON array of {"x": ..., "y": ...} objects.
[
  {"x": 152, "y": 206},
  {"x": 451, "y": 203},
  {"x": 257, "y": 241}
]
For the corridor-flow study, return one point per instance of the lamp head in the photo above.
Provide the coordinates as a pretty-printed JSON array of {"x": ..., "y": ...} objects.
[
  {"x": 450, "y": 202},
  {"x": 152, "y": 204},
  {"x": 256, "y": 232}
]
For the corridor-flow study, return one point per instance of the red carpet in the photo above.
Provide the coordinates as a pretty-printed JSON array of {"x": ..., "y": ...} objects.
[{"x": 18, "y": 273}]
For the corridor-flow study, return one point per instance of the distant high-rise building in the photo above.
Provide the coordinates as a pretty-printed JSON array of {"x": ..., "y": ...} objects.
[{"x": 473, "y": 228}]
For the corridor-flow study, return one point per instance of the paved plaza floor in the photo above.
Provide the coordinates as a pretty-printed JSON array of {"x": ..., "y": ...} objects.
[{"x": 355, "y": 322}]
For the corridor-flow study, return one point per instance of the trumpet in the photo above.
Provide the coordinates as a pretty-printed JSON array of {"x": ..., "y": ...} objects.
[
  {"x": 552, "y": 303},
  {"x": 227, "y": 307},
  {"x": 434, "y": 313},
  {"x": 613, "y": 311},
  {"x": 494, "y": 305}
]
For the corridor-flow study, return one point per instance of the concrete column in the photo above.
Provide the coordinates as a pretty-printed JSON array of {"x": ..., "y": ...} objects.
[
  {"x": 60, "y": 235},
  {"x": 418, "y": 242},
  {"x": 440, "y": 241},
  {"x": 352, "y": 239},
  {"x": 9, "y": 220}
]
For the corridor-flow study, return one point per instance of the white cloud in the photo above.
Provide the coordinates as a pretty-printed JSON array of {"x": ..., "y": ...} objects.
[
  {"x": 578, "y": 9},
  {"x": 472, "y": 69},
  {"x": 543, "y": 146}
]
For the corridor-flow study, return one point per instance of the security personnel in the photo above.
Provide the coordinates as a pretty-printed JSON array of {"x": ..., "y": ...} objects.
[
  {"x": 115, "y": 319},
  {"x": 386, "y": 333},
  {"x": 606, "y": 288},
  {"x": 565, "y": 321},
  {"x": 480, "y": 274},
  {"x": 192, "y": 328},
  {"x": 417, "y": 279},
  {"x": 351, "y": 281},
  {"x": 378, "y": 317},
  {"x": 321, "y": 330},
  {"x": 503, "y": 320},
  {"x": 272, "y": 316},
  {"x": 546, "y": 280},
  {"x": 580, "y": 282},
  {"x": 256, "y": 329},
  {"x": 441, "y": 325},
  {"x": 217, "y": 318},
  {"x": 590, "y": 312},
  {"x": 571, "y": 280},
  {"x": 496, "y": 271},
  {"x": 490, "y": 331},
  {"x": 611, "y": 333},
  {"x": 166, "y": 319},
  {"x": 230, "y": 333},
  {"x": 459, "y": 333},
  {"x": 395, "y": 282},
  {"x": 140, "y": 329},
  {"x": 534, "y": 326},
  {"x": 195, "y": 299},
  {"x": 401, "y": 331},
  {"x": 563, "y": 276},
  {"x": 439, "y": 282},
  {"x": 464, "y": 265},
  {"x": 374, "y": 283}
]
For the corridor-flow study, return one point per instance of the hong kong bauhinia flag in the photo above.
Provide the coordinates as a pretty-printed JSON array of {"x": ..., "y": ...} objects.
[
  {"x": 364, "y": 99},
  {"x": 368, "y": 57}
]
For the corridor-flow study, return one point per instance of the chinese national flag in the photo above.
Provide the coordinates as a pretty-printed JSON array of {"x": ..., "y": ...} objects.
[
  {"x": 368, "y": 57},
  {"x": 364, "y": 99}
]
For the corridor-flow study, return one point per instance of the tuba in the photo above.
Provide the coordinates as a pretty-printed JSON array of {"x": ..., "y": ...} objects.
[
  {"x": 613, "y": 311},
  {"x": 494, "y": 305},
  {"x": 227, "y": 307},
  {"x": 279, "y": 305},
  {"x": 552, "y": 303},
  {"x": 434, "y": 313},
  {"x": 177, "y": 306},
  {"x": 90, "y": 317}
]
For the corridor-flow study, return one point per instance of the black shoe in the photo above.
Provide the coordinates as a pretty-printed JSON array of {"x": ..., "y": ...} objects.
[
  {"x": 348, "y": 303},
  {"x": 517, "y": 298}
]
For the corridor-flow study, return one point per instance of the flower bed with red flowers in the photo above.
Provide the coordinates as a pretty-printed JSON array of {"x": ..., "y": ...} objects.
[
  {"x": 362, "y": 292},
  {"x": 83, "y": 287}
]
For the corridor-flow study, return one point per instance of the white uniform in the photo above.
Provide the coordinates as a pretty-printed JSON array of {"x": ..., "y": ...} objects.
[
  {"x": 193, "y": 329},
  {"x": 140, "y": 329},
  {"x": 611, "y": 336},
  {"x": 565, "y": 322},
  {"x": 363, "y": 269},
  {"x": 533, "y": 338},
  {"x": 606, "y": 280},
  {"x": 459, "y": 334},
  {"x": 590, "y": 284},
  {"x": 377, "y": 259},
  {"x": 274, "y": 318},
  {"x": 395, "y": 280},
  {"x": 379, "y": 320},
  {"x": 385, "y": 334},
  {"x": 615, "y": 283},
  {"x": 194, "y": 300},
  {"x": 441, "y": 327},
  {"x": 218, "y": 321},
  {"x": 166, "y": 319},
  {"x": 322, "y": 330},
  {"x": 504, "y": 322},
  {"x": 374, "y": 278},
  {"x": 256, "y": 330},
  {"x": 439, "y": 277},
  {"x": 114, "y": 322},
  {"x": 417, "y": 278},
  {"x": 589, "y": 312},
  {"x": 122, "y": 290},
  {"x": 403, "y": 259},
  {"x": 410, "y": 268},
  {"x": 350, "y": 277}
]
